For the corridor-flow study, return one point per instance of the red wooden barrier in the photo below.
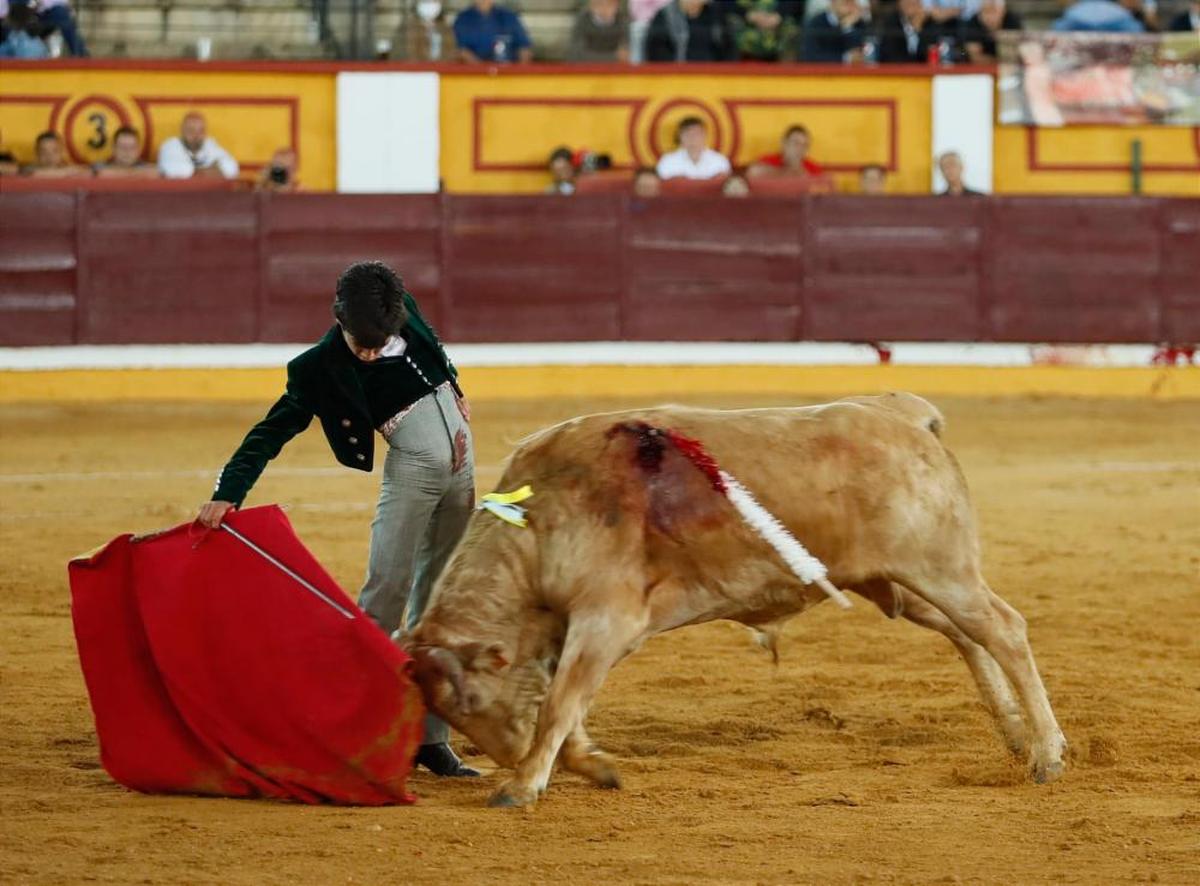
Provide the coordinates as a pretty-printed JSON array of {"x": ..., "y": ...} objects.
[
  {"x": 239, "y": 267},
  {"x": 38, "y": 269},
  {"x": 531, "y": 268},
  {"x": 1087, "y": 267},
  {"x": 307, "y": 240},
  {"x": 713, "y": 269},
  {"x": 168, "y": 268},
  {"x": 898, "y": 269},
  {"x": 1180, "y": 230}
]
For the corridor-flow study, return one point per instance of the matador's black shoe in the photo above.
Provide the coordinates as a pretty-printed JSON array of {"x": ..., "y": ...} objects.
[{"x": 440, "y": 760}]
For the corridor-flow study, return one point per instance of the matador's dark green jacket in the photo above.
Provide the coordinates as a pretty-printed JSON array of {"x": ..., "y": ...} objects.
[{"x": 320, "y": 382}]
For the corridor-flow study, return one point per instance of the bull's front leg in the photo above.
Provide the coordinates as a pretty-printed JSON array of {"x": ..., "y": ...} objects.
[{"x": 595, "y": 642}]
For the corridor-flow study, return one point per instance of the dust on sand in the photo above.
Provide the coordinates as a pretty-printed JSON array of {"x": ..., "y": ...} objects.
[{"x": 865, "y": 756}]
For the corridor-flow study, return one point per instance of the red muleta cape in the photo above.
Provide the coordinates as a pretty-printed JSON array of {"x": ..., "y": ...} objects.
[{"x": 212, "y": 671}]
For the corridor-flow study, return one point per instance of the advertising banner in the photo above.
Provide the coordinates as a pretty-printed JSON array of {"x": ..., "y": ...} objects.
[{"x": 1066, "y": 79}]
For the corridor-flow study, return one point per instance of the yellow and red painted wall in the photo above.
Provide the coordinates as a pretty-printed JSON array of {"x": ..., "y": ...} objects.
[{"x": 497, "y": 126}]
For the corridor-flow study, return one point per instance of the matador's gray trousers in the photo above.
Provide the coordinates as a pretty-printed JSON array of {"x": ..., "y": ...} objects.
[{"x": 424, "y": 503}]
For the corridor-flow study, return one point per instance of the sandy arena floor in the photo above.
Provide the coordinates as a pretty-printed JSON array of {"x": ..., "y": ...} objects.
[{"x": 864, "y": 757}]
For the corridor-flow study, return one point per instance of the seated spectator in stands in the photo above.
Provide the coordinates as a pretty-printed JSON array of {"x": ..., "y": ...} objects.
[
  {"x": 126, "y": 160},
  {"x": 279, "y": 176},
  {"x": 765, "y": 30},
  {"x": 22, "y": 35},
  {"x": 562, "y": 172},
  {"x": 735, "y": 186},
  {"x": 979, "y": 31},
  {"x": 600, "y": 34},
  {"x": 427, "y": 36},
  {"x": 836, "y": 34},
  {"x": 908, "y": 33},
  {"x": 1102, "y": 16},
  {"x": 51, "y": 159},
  {"x": 8, "y": 163},
  {"x": 487, "y": 32},
  {"x": 646, "y": 182},
  {"x": 872, "y": 180},
  {"x": 1188, "y": 20},
  {"x": 792, "y": 159},
  {"x": 693, "y": 158},
  {"x": 56, "y": 15},
  {"x": 641, "y": 13},
  {"x": 689, "y": 31},
  {"x": 1145, "y": 11},
  {"x": 193, "y": 153},
  {"x": 951, "y": 165},
  {"x": 953, "y": 11}
]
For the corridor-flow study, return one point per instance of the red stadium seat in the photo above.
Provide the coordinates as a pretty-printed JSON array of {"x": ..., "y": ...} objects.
[
  {"x": 615, "y": 181},
  {"x": 13, "y": 184},
  {"x": 691, "y": 187},
  {"x": 790, "y": 186}
]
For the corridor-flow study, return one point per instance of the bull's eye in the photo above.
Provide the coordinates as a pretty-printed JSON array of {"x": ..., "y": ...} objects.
[{"x": 474, "y": 702}]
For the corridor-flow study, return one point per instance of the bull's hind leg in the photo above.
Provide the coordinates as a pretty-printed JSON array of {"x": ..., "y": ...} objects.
[
  {"x": 595, "y": 642},
  {"x": 580, "y": 756},
  {"x": 993, "y": 685},
  {"x": 989, "y": 621}
]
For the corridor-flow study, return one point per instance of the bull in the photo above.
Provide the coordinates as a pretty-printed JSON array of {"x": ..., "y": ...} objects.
[{"x": 525, "y": 623}]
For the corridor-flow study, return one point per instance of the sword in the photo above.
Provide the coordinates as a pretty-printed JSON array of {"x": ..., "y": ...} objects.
[{"x": 303, "y": 582}]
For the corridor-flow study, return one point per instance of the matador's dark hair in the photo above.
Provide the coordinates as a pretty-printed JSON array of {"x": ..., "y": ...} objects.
[{"x": 370, "y": 303}]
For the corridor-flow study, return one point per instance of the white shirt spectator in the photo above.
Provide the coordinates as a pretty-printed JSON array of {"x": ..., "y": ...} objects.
[
  {"x": 678, "y": 164},
  {"x": 176, "y": 161}
]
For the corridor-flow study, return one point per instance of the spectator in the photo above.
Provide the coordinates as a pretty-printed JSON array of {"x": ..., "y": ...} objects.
[
  {"x": 600, "y": 34},
  {"x": 951, "y": 165},
  {"x": 979, "y": 32},
  {"x": 641, "y": 12},
  {"x": 1101, "y": 16},
  {"x": 21, "y": 39},
  {"x": 57, "y": 15},
  {"x": 51, "y": 159},
  {"x": 8, "y": 163},
  {"x": 736, "y": 186},
  {"x": 126, "y": 159},
  {"x": 427, "y": 36},
  {"x": 689, "y": 31},
  {"x": 1145, "y": 11},
  {"x": 1188, "y": 20},
  {"x": 693, "y": 158},
  {"x": 950, "y": 11},
  {"x": 279, "y": 176},
  {"x": 872, "y": 180},
  {"x": 646, "y": 183},
  {"x": 793, "y": 159},
  {"x": 562, "y": 172},
  {"x": 908, "y": 33},
  {"x": 837, "y": 34},
  {"x": 765, "y": 30},
  {"x": 486, "y": 32},
  {"x": 194, "y": 153}
]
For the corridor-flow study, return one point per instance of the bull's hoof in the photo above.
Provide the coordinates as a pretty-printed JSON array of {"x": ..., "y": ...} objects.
[
  {"x": 1045, "y": 773},
  {"x": 598, "y": 768},
  {"x": 512, "y": 795}
]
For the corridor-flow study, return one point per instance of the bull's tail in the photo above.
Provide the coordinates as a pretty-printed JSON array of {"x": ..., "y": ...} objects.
[{"x": 651, "y": 447}]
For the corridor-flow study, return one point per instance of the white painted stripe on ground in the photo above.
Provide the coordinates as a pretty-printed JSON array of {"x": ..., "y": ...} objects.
[
  {"x": 1133, "y": 467},
  {"x": 266, "y": 356},
  {"x": 181, "y": 474}
]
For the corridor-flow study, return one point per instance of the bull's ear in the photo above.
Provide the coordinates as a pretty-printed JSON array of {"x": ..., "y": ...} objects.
[{"x": 480, "y": 657}]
